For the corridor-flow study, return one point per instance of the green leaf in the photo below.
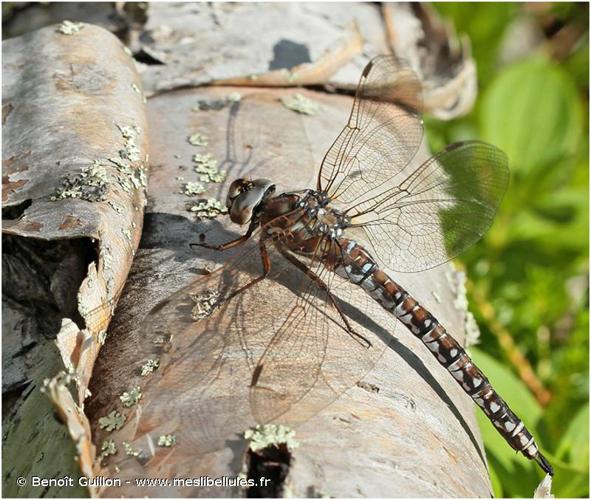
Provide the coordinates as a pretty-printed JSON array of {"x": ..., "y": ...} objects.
[
  {"x": 511, "y": 474},
  {"x": 516, "y": 474},
  {"x": 529, "y": 226},
  {"x": 574, "y": 445},
  {"x": 532, "y": 111},
  {"x": 495, "y": 481},
  {"x": 568, "y": 482},
  {"x": 510, "y": 388}
]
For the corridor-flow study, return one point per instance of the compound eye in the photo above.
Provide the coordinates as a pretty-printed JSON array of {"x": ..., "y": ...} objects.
[{"x": 237, "y": 187}]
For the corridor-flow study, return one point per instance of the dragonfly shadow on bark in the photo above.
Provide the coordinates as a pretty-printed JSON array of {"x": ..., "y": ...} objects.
[
  {"x": 388, "y": 338},
  {"x": 355, "y": 313}
]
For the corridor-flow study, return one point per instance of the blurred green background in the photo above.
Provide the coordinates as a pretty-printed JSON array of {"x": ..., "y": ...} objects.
[{"x": 528, "y": 280}]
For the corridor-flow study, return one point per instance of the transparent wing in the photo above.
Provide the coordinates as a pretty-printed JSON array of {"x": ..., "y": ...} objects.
[
  {"x": 312, "y": 358},
  {"x": 382, "y": 135},
  {"x": 214, "y": 338},
  {"x": 438, "y": 210},
  {"x": 261, "y": 136},
  {"x": 276, "y": 351},
  {"x": 291, "y": 363}
]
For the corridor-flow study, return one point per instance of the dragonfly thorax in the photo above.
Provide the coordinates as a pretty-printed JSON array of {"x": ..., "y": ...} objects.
[{"x": 324, "y": 220}]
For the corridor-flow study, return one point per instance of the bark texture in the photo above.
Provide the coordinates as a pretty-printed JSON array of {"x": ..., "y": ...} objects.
[
  {"x": 75, "y": 150},
  {"x": 405, "y": 429}
]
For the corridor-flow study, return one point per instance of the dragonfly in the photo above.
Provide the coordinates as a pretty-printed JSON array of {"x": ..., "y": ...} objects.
[{"x": 335, "y": 246}]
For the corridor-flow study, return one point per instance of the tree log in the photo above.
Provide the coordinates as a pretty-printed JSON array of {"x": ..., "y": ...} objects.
[
  {"x": 405, "y": 429},
  {"x": 75, "y": 148}
]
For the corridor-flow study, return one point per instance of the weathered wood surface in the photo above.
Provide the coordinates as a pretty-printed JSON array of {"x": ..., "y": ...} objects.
[
  {"x": 405, "y": 430},
  {"x": 71, "y": 220},
  {"x": 322, "y": 44},
  {"x": 286, "y": 44}
]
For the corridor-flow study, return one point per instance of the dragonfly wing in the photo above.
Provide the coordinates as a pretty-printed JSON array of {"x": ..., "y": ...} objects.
[
  {"x": 292, "y": 361},
  {"x": 438, "y": 210},
  {"x": 313, "y": 358},
  {"x": 261, "y": 135},
  {"x": 214, "y": 336},
  {"x": 382, "y": 135}
]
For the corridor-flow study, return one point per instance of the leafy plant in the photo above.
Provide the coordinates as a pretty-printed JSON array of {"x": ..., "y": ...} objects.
[{"x": 532, "y": 268}]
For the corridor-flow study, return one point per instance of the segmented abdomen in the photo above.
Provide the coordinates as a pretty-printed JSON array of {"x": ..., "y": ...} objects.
[{"x": 359, "y": 268}]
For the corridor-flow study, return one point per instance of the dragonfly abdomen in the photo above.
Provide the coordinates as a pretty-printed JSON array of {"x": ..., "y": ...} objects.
[{"x": 359, "y": 268}]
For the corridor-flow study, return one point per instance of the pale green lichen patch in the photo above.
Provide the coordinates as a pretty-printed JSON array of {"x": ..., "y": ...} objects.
[
  {"x": 213, "y": 177},
  {"x": 115, "y": 207},
  {"x": 131, "y": 397},
  {"x": 207, "y": 166},
  {"x": 234, "y": 97},
  {"x": 113, "y": 421},
  {"x": 131, "y": 151},
  {"x": 129, "y": 132},
  {"x": 193, "y": 188},
  {"x": 91, "y": 184},
  {"x": 204, "y": 304},
  {"x": 300, "y": 104},
  {"x": 70, "y": 369},
  {"x": 107, "y": 448},
  {"x": 208, "y": 209},
  {"x": 205, "y": 163},
  {"x": 472, "y": 330},
  {"x": 83, "y": 308},
  {"x": 130, "y": 450},
  {"x": 62, "y": 378},
  {"x": 198, "y": 139},
  {"x": 159, "y": 340},
  {"x": 149, "y": 366},
  {"x": 167, "y": 440},
  {"x": 263, "y": 436},
  {"x": 109, "y": 289},
  {"x": 69, "y": 28},
  {"x": 101, "y": 337},
  {"x": 107, "y": 257},
  {"x": 131, "y": 178}
]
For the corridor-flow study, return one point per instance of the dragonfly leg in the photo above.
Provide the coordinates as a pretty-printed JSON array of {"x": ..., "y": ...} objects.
[
  {"x": 229, "y": 244},
  {"x": 321, "y": 284},
  {"x": 266, "y": 268}
]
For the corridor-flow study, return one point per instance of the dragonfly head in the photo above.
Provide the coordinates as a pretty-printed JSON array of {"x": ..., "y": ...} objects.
[{"x": 245, "y": 196}]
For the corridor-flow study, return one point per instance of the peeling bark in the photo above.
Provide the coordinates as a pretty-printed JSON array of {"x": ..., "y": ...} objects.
[
  {"x": 72, "y": 215},
  {"x": 179, "y": 45}
]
